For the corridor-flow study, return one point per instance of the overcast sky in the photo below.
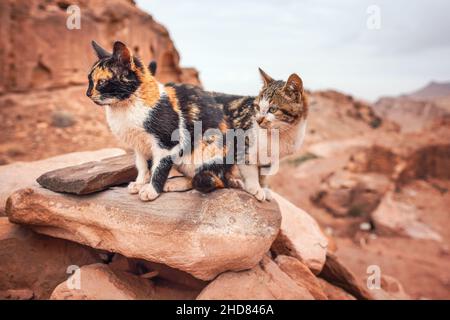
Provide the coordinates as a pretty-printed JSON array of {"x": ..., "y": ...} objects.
[{"x": 327, "y": 42}]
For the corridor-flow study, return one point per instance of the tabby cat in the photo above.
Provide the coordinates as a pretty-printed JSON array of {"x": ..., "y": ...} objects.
[
  {"x": 144, "y": 114},
  {"x": 280, "y": 106}
]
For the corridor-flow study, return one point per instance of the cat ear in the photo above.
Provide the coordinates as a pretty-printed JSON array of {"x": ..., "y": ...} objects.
[
  {"x": 265, "y": 77},
  {"x": 122, "y": 54},
  {"x": 101, "y": 53},
  {"x": 152, "y": 67},
  {"x": 294, "y": 84}
]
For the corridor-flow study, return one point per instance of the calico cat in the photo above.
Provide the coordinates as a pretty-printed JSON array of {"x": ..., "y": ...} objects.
[
  {"x": 281, "y": 106},
  {"x": 144, "y": 114}
]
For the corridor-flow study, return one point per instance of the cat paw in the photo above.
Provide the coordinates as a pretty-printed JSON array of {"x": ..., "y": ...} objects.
[
  {"x": 148, "y": 193},
  {"x": 235, "y": 183},
  {"x": 268, "y": 194},
  {"x": 135, "y": 187},
  {"x": 258, "y": 193}
]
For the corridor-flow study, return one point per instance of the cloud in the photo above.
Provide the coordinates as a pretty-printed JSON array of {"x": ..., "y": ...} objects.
[{"x": 326, "y": 41}]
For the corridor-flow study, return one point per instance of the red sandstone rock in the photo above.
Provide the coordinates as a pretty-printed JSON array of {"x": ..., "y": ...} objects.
[
  {"x": 203, "y": 235},
  {"x": 264, "y": 282},
  {"x": 29, "y": 29},
  {"x": 32, "y": 265}
]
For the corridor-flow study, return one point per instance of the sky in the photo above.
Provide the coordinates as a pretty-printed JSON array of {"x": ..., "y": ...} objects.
[{"x": 365, "y": 48}]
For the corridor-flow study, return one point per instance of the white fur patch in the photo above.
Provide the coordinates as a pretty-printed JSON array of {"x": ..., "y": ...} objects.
[
  {"x": 126, "y": 123},
  {"x": 264, "y": 106},
  {"x": 301, "y": 135},
  {"x": 270, "y": 117}
]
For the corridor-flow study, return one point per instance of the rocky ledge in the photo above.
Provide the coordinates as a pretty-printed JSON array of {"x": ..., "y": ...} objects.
[
  {"x": 184, "y": 245},
  {"x": 202, "y": 235}
]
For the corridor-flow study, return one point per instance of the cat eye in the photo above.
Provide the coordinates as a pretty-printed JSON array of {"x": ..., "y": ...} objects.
[
  {"x": 101, "y": 82},
  {"x": 272, "y": 109}
]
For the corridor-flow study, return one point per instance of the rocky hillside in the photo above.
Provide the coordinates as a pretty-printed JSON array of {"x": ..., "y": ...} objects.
[
  {"x": 31, "y": 59},
  {"x": 432, "y": 91},
  {"x": 43, "y": 80},
  {"x": 379, "y": 191},
  {"x": 425, "y": 108},
  {"x": 375, "y": 178}
]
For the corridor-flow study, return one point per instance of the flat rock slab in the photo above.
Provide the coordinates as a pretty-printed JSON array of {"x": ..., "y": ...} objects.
[
  {"x": 22, "y": 175},
  {"x": 92, "y": 176},
  {"x": 203, "y": 235}
]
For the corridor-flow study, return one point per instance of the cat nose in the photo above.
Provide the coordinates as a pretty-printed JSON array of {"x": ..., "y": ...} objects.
[
  {"x": 89, "y": 93},
  {"x": 260, "y": 120}
]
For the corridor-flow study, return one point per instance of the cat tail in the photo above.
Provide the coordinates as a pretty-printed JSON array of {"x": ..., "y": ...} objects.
[{"x": 207, "y": 181}]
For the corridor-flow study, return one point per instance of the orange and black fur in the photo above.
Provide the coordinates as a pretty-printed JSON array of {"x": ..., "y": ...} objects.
[{"x": 144, "y": 114}]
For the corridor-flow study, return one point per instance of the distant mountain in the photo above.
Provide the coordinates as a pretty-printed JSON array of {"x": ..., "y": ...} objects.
[
  {"x": 434, "y": 90},
  {"x": 428, "y": 107}
]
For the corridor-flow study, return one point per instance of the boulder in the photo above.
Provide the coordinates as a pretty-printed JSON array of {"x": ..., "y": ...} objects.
[
  {"x": 333, "y": 292},
  {"x": 24, "y": 174},
  {"x": 339, "y": 275},
  {"x": 168, "y": 283},
  {"x": 431, "y": 161},
  {"x": 395, "y": 218},
  {"x": 301, "y": 275},
  {"x": 32, "y": 265},
  {"x": 168, "y": 290},
  {"x": 350, "y": 194},
  {"x": 266, "y": 281},
  {"x": 165, "y": 273},
  {"x": 300, "y": 236},
  {"x": 203, "y": 235},
  {"x": 376, "y": 159},
  {"x": 99, "y": 282}
]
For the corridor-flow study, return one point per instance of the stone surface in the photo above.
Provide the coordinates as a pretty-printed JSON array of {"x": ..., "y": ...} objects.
[
  {"x": 92, "y": 176},
  {"x": 55, "y": 64},
  {"x": 24, "y": 174},
  {"x": 338, "y": 274},
  {"x": 17, "y": 294},
  {"x": 375, "y": 159},
  {"x": 264, "y": 282},
  {"x": 391, "y": 289},
  {"x": 300, "y": 236},
  {"x": 301, "y": 275},
  {"x": 203, "y": 235},
  {"x": 432, "y": 161},
  {"x": 54, "y": 78},
  {"x": 99, "y": 282},
  {"x": 168, "y": 283},
  {"x": 395, "y": 218},
  {"x": 333, "y": 292},
  {"x": 35, "y": 263},
  {"x": 348, "y": 194},
  {"x": 166, "y": 273}
]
